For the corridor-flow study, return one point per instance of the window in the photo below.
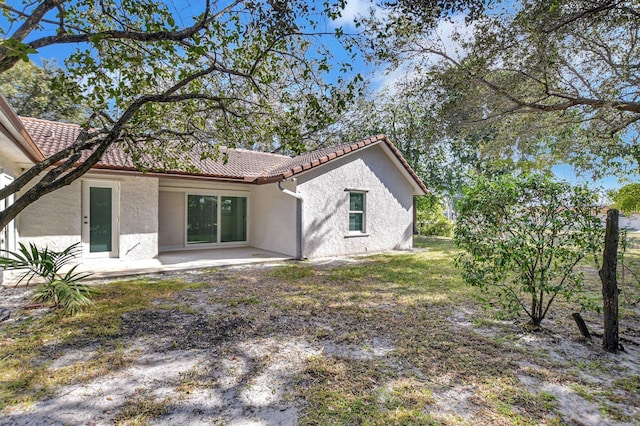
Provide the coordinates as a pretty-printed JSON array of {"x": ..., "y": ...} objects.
[
  {"x": 213, "y": 219},
  {"x": 356, "y": 211}
]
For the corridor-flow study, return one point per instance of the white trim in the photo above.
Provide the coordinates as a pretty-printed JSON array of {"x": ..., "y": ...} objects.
[
  {"x": 363, "y": 231},
  {"x": 204, "y": 191},
  {"x": 8, "y": 234},
  {"x": 115, "y": 218}
]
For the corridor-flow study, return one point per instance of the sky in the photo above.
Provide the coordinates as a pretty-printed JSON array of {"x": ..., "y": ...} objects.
[{"x": 379, "y": 77}]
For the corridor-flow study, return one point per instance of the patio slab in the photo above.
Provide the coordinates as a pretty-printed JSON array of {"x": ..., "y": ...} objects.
[{"x": 173, "y": 261}]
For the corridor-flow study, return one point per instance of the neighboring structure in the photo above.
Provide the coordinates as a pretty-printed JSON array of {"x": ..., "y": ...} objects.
[
  {"x": 348, "y": 199},
  {"x": 629, "y": 221}
]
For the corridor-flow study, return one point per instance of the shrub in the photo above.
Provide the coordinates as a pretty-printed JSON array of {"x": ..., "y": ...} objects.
[
  {"x": 64, "y": 290},
  {"x": 430, "y": 218},
  {"x": 524, "y": 236}
]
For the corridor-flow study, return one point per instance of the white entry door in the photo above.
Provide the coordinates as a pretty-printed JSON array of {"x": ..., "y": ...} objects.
[{"x": 100, "y": 218}]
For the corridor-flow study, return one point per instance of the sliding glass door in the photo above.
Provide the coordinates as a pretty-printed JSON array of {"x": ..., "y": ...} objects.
[
  {"x": 202, "y": 219},
  {"x": 205, "y": 212},
  {"x": 234, "y": 219}
]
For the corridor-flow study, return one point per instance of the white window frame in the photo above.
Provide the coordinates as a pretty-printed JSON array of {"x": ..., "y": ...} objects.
[
  {"x": 218, "y": 195},
  {"x": 363, "y": 231},
  {"x": 7, "y": 234}
]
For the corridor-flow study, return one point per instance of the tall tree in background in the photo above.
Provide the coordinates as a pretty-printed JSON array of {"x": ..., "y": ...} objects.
[
  {"x": 28, "y": 88},
  {"x": 158, "y": 81},
  {"x": 557, "y": 78}
]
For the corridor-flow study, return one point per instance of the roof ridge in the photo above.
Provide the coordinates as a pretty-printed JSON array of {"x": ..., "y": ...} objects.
[{"x": 269, "y": 154}]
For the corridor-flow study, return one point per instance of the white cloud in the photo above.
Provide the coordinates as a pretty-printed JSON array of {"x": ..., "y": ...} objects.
[{"x": 354, "y": 9}]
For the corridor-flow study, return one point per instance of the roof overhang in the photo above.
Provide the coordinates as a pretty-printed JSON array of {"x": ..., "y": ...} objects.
[{"x": 16, "y": 144}]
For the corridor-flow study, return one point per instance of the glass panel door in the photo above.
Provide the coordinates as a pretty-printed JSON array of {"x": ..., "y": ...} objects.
[
  {"x": 100, "y": 222},
  {"x": 100, "y": 219},
  {"x": 234, "y": 219},
  {"x": 202, "y": 219}
]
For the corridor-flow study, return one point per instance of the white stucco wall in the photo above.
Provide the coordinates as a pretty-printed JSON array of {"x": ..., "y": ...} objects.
[
  {"x": 389, "y": 205},
  {"x": 55, "y": 220},
  {"x": 8, "y": 167},
  {"x": 273, "y": 213},
  {"x": 171, "y": 211},
  {"x": 138, "y": 217}
]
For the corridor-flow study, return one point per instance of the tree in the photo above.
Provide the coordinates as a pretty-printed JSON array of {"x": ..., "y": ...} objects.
[
  {"x": 524, "y": 236},
  {"x": 157, "y": 82},
  {"x": 430, "y": 217},
  {"x": 627, "y": 198},
  {"x": 407, "y": 122},
  {"x": 28, "y": 90},
  {"x": 554, "y": 78}
]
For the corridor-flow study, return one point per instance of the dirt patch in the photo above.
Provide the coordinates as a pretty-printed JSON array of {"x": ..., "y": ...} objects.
[{"x": 361, "y": 342}]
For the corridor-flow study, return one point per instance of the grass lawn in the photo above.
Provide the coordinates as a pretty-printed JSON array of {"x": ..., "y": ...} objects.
[{"x": 385, "y": 339}]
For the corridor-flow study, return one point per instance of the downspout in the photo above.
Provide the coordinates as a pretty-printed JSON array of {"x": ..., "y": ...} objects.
[{"x": 299, "y": 236}]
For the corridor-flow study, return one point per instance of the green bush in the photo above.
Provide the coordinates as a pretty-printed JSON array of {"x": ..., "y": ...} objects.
[
  {"x": 430, "y": 218},
  {"x": 524, "y": 237},
  {"x": 63, "y": 290}
]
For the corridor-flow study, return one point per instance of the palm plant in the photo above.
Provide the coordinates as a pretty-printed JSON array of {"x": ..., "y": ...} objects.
[{"x": 64, "y": 290}]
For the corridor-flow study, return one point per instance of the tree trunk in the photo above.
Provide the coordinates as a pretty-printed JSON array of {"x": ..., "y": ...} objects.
[
  {"x": 609, "y": 283},
  {"x": 581, "y": 325}
]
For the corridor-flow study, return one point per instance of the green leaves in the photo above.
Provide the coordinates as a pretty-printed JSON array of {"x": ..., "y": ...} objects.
[
  {"x": 41, "y": 92},
  {"x": 158, "y": 80},
  {"x": 627, "y": 198},
  {"x": 531, "y": 82},
  {"x": 524, "y": 236},
  {"x": 16, "y": 49}
]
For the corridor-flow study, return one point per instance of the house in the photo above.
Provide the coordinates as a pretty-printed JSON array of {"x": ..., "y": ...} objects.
[
  {"x": 629, "y": 221},
  {"x": 347, "y": 199}
]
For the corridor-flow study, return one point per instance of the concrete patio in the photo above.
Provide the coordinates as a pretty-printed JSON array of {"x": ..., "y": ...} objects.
[
  {"x": 181, "y": 260},
  {"x": 173, "y": 261}
]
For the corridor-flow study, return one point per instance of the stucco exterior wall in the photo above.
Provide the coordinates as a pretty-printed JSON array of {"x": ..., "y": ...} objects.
[
  {"x": 138, "y": 217},
  {"x": 389, "y": 205},
  {"x": 8, "y": 167},
  {"x": 273, "y": 214},
  {"x": 171, "y": 220},
  {"x": 55, "y": 220}
]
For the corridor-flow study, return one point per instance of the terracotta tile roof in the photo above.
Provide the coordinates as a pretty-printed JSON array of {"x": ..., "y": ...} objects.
[{"x": 241, "y": 165}]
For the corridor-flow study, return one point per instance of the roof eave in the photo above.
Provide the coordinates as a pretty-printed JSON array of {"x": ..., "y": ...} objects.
[
  {"x": 408, "y": 172},
  {"x": 13, "y": 128}
]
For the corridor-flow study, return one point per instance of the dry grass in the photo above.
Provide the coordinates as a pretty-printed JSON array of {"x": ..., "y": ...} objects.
[{"x": 398, "y": 338}]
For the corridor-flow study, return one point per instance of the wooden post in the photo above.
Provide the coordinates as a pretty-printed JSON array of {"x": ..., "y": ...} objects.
[{"x": 609, "y": 283}]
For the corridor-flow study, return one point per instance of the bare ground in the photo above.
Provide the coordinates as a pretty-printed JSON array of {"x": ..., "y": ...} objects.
[{"x": 316, "y": 345}]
